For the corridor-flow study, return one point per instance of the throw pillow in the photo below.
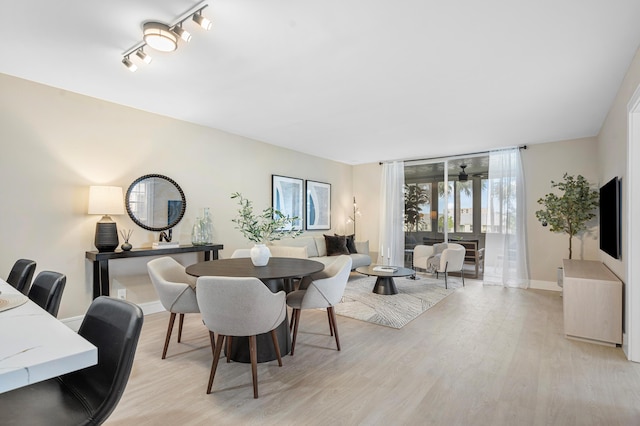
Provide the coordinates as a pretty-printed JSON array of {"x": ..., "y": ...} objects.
[
  {"x": 351, "y": 242},
  {"x": 336, "y": 245}
]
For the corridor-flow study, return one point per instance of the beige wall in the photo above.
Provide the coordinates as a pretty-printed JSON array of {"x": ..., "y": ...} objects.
[
  {"x": 56, "y": 143},
  {"x": 543, "y": 163}
]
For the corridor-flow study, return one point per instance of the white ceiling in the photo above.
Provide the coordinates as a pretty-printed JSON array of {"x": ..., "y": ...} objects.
[{"x": 356, "y": 81}]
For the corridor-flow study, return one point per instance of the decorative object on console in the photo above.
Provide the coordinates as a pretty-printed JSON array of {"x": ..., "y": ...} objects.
[
  {"x": 202, "y": 232},
  {"x": 106, "y": 200},
  {"x": 270, "y": 225},
  {"x": 167, "y": 243},
  {"x": 164, "y": 37},
  {"x": 569, "y": 212},
  {"x": 126, "y": 234},
  {"x": 318, "y": 205}
]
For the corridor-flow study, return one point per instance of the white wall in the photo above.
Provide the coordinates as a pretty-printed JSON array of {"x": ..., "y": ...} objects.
[{"x": 57, "y": 143}]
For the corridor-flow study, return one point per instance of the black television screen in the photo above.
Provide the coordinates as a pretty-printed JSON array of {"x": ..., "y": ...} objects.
[{"x": 610, "y": 218}]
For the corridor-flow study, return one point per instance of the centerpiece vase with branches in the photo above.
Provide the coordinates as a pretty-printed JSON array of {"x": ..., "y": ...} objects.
[{"x": 270, "y": 225}]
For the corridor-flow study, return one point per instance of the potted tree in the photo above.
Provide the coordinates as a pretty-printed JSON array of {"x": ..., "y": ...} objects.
[
  {"x": 569, "y": 212},
  {"x": 270, "y": 225}
]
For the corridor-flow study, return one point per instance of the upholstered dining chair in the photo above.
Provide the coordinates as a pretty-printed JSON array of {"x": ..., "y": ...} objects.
[
  {"x": 87, "y": 396},
  {"x": 21, "y": 275},
  {"x": 239, "y": 253},
  {"x": 240, "y": 306},
  {"x": 176, "y": 290},
  {"x": 323, "y": 289},
  {"x": 46, "y": 290}
]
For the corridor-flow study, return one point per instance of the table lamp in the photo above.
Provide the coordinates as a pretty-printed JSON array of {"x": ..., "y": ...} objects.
[{"x": 106, "y": 200}]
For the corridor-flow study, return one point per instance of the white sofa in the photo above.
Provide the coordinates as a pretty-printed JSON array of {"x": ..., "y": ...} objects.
[{"x": 317, "y": 250}]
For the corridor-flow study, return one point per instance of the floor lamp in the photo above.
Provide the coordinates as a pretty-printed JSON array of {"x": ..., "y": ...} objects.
[{"x": 106, "y": 200}]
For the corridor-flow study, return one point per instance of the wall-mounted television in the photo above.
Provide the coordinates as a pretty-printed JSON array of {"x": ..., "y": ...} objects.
[{"x": 610, "y": 219}]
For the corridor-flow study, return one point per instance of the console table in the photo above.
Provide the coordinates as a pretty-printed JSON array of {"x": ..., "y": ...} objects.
[{"x": 100, "y": 261}]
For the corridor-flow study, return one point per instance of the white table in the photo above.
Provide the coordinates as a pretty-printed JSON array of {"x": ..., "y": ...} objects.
[{"x": 35, "y": 346}]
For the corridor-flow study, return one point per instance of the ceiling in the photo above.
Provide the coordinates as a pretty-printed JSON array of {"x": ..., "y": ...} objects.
[{"x": 356, "y": 81}]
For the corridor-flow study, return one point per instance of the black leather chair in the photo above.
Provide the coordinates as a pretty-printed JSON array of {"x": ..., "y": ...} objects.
[
  {"x": 88, "y": 396},
  {"x": 46, "y": 290},
  {"x": 21, "y": 274}
]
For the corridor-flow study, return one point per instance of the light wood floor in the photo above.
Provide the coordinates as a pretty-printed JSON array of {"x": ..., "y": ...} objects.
[{"x": 482, "y": 356}]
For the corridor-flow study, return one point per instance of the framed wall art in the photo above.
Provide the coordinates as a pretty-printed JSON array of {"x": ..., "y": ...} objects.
[
  {"x": 318, "y": 215},
  {"x": 288, "y": 198}
]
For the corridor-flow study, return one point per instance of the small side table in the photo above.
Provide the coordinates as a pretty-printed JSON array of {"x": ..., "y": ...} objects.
[{"x": 384, "y": 283}]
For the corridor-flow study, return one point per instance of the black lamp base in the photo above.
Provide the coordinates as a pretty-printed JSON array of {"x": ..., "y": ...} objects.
[{"x": 106, "y": 236}]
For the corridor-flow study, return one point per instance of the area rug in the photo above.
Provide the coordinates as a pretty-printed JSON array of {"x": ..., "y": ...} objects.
[{"x": 414, "y": 297}]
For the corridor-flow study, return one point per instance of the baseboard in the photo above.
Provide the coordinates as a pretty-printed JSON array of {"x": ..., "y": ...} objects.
[
  {"x": 148, "y": 308},
  {"x": 544, "y": 285}
]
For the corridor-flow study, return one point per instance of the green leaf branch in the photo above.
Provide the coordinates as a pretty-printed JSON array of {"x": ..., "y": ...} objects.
[{"x": 270, "y": 225}]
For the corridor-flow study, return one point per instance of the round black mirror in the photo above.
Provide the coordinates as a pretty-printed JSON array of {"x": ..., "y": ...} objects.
[{"x": 155, "y": 202}]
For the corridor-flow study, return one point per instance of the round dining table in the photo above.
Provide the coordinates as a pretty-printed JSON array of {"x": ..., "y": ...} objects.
[{"x": 277, "y": 275}]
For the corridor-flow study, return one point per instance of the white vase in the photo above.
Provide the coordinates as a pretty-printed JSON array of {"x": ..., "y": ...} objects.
[{"x": 260, "y": 254}]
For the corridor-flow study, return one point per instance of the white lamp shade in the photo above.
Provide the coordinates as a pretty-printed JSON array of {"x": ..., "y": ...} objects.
[{"x": 106, "y": 200}]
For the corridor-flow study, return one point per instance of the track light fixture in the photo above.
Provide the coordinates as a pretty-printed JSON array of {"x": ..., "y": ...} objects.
[
  {"x": 202, "y": 21},
  {"x": 130, "y": 65},
  {"x": 164, "y": 37},
  {"x": 182, "y": 33},
  {"x": 143, "y": 56}
]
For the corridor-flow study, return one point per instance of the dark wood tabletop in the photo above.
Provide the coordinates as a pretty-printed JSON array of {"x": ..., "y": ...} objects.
[{"x": 278, "y": 267}]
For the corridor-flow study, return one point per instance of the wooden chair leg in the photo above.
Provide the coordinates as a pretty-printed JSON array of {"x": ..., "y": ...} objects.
[
  {"x": 274, "y": 337},
  {"x": 330, "y": 322},
  {"x": 296, "y": 319},
  {"x": 212, "y": 337},
  {"x": 229, "y": 349},
  {"x": 180, "y": 327},
  {"x": 214, "y": 364},
  {"x": 172, "y": 319},
  {"x": 254, "y": 364},
  {"x": 335, "y": 325}
]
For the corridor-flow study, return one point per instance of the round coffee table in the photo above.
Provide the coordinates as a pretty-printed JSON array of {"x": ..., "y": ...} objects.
[{"x": 384, "y": 283}]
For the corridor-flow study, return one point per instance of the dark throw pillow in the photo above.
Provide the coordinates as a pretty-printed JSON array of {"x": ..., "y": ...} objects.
[
  {"x": 351, "y": 242},
  {"x": 336, "y": 245}
]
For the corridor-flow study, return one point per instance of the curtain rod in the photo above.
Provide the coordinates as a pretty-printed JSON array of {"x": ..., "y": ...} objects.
[{"x": 454, "y": 156}]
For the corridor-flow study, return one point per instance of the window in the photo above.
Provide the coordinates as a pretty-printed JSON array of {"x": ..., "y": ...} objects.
[{"x": 465, "y": 203}]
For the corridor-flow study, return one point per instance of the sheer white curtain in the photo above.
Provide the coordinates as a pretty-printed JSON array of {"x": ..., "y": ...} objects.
[
  {"x": 506, "y": 238},
  {"x": 392, "y": 214}
]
